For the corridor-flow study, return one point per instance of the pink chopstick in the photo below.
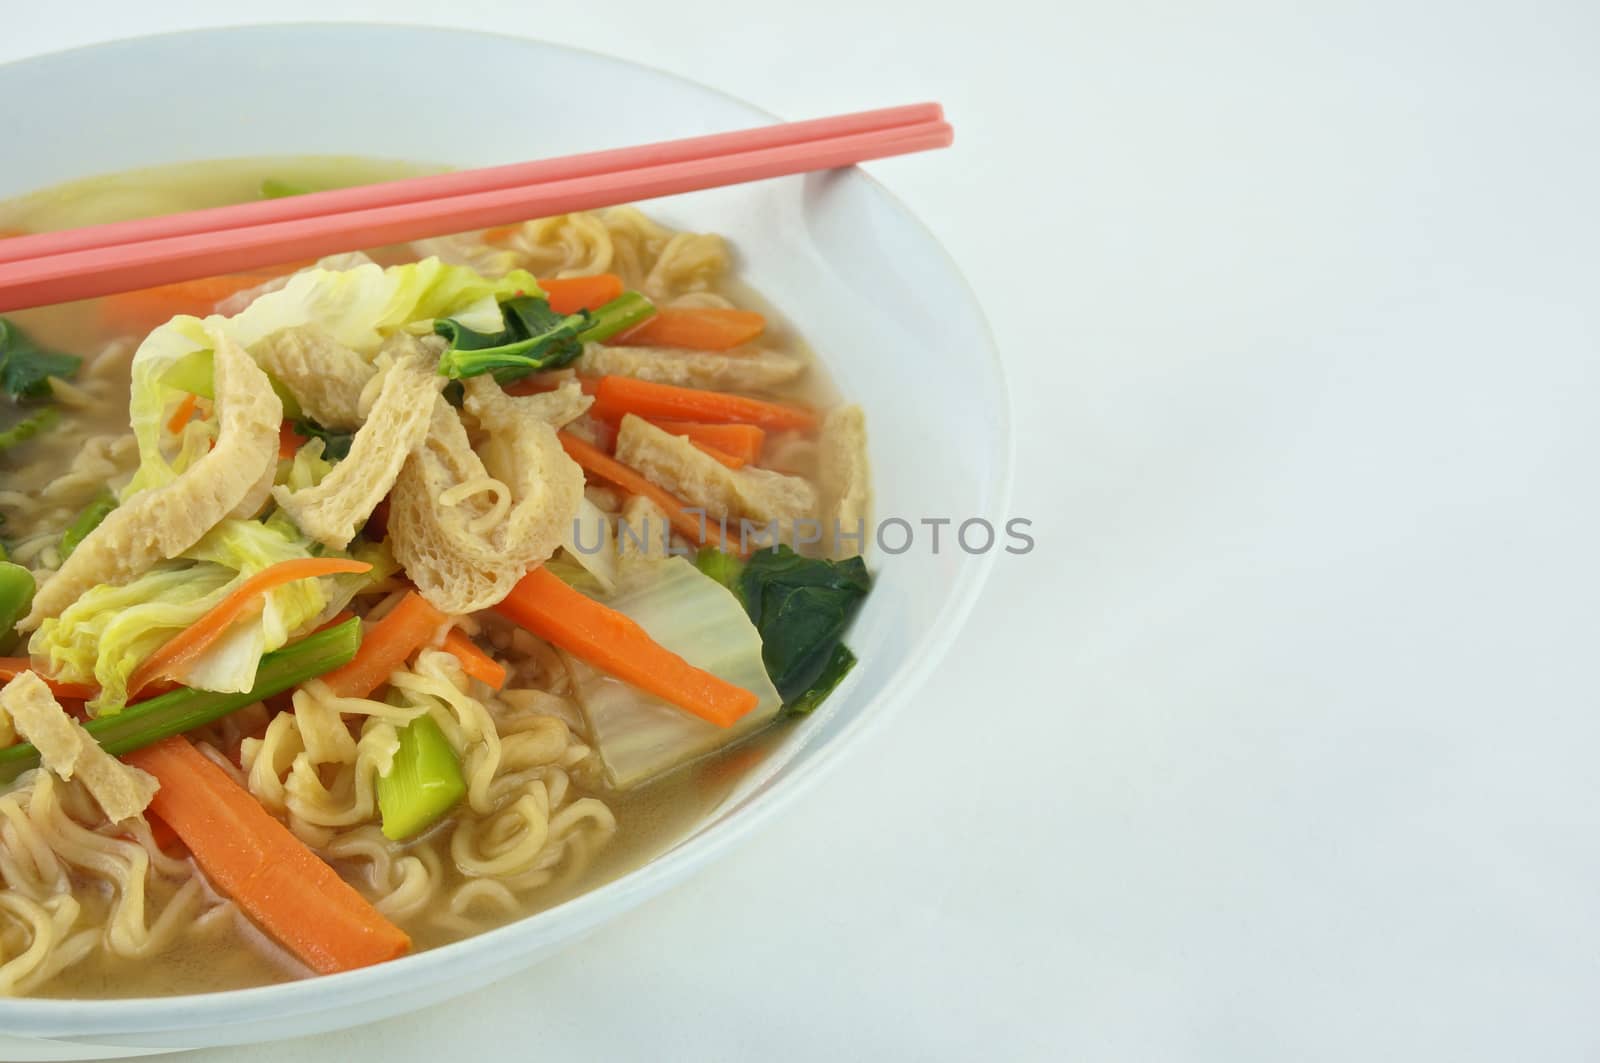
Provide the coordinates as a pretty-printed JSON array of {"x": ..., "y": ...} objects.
[
  {"x": 97, "y": 260},
  {"x": 101, "y": 270}
]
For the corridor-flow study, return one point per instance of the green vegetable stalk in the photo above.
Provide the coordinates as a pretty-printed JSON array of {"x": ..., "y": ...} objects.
[
  {"x": 25, "y": 430},
  {"x": 87, "y": 521},
  {"x": 424, "y": 782},
  {"x": 183, "y": 710},
  {"x": 16, "y": 596},
  {"x": 616, "y": 317}
]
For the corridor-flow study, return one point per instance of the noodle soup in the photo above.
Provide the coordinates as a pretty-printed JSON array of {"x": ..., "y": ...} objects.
[{"x": 376, "y": 602}]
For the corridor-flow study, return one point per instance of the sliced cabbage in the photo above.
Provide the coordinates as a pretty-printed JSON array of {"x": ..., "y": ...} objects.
[
  {"x": 103, "y": 636},
  {"x": 358, "y": 307},
  {"x": 589, "y": 544},
  {"x": 640, "y": 736}
]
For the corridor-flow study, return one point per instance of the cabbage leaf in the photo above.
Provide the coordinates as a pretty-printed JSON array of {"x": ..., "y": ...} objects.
[{"x": 640, "y": 736}]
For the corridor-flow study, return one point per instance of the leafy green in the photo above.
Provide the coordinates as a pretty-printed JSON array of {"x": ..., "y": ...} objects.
[
  {"x": 26, "y": 367},
  {"x": 832, "y": 674},
  {"x": 801, "y": 606},
  {"x": 422, "y": 784},
  {"x": 534, "y": 337},
  {"x": 335, "y": 444},
  {"x": 184, "y": 710},
  {"x": 87, "y": 520},
  {"x": 27, "y": 428}
]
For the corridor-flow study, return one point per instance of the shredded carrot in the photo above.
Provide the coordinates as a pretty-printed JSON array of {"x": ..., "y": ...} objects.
[
  {"x": 289, "y": 440},
  {"x": 618, "y": 395},
  {"x": 148, "y": 307},
  {"x": 385, "y": 646},
  {"x": 698, "y": 328},
  {"x": 742, "y": 441},
  {"x": 252, "y": 858},
  {"x": 568, "y": 295},
  {"x": 693, "y": 525},
  {"x": 475, "y": 662},
  {"x": 615, "y": 644},
  {"x": 180, "y": 651},
  {"x": 11, "y": 667},
  {"x": 183, "y": 413}
]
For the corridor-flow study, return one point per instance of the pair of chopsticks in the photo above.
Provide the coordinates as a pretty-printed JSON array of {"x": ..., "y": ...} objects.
[{"x": 44, "y": 268}]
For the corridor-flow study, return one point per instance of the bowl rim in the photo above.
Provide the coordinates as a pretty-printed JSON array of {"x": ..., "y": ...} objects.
[{"x": 591, "y": 908}]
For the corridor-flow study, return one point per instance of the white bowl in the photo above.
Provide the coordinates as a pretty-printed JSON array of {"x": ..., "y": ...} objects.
[{"x": 871, "y": 289}]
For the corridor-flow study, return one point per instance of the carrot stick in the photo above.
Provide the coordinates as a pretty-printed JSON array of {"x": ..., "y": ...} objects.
[
  {"x": 568, "y": 295},
  {"x": 692, "y": 525},
  {"x": 178, "y": 652},
  {"x": 148, "y": 307},
  {"x": 183, "y": 413},
  {"x": 722, "y": 457},
  {"x": 475, "y": 662},
  {"x": 406, "y": 628},
  {"x": 11, "y": 667},
  {"x": 249, "y": 856},
  {"x": 615, "y": 644},
  {"x": 698, "y": 328},
  {"x": 742, "y": 441},
  {"x": 618, "y": 395}
]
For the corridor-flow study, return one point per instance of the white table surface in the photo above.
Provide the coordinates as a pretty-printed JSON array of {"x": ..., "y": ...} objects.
[{"x": 1283, "y": 743}]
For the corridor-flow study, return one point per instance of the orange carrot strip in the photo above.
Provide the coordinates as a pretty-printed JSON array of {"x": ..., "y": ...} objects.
[
  {"x": 475, "y": 662},
  {"x": 176, "y": 653},
  {"x": 148, "y": 307},
  {"x": 742, "y": 441},
  {"x": 183, "y": 413},
  {"x": 406, "y": 628},
  {"x": 249, "y": 856},
  {"x": 618, "y": 395},
  {"x": 698, "y": 328},
  {"x": 568, "y": 295},
  {"x": 289, "y": 440},
  {"x": 721, "y": 456},
  {"x": 11, "y": 667},
  {"x": 692, "y": 525},
  {"x": 615, "y": 644}
]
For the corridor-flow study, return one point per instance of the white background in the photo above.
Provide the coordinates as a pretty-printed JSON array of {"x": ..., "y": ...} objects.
[{"x": 1283, "y": 743}]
